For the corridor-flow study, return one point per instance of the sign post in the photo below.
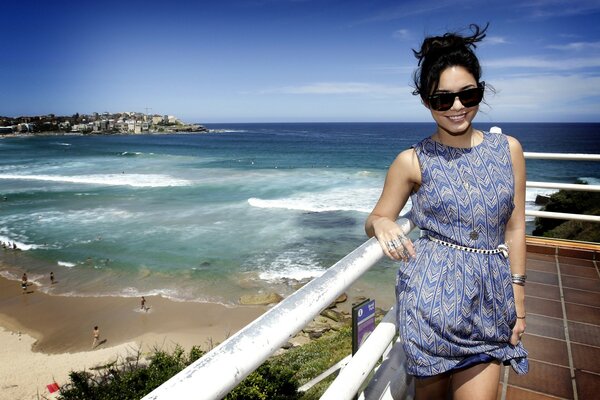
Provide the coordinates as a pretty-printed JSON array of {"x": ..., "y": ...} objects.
[{"x": 363, "y": 323}]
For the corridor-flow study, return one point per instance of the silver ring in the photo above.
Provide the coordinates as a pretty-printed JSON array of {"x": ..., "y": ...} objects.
[
  {"x": 403, "y": 238},
  {"x": 397, "y": 243},
  {"x": 391, "y": 245}
]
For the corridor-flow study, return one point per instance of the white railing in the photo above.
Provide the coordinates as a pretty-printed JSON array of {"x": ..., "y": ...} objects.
[
  {"x": 563, "y": 186},
  {"x": 221, "y": 369}
]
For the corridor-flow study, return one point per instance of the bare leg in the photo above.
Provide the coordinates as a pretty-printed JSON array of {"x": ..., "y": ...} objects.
[
  {"x": 432, "y": 388},
  {"x": 478, "y": 382}
]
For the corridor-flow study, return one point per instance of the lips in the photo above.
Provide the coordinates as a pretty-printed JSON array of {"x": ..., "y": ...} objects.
[{"x": 457, "y": 118}]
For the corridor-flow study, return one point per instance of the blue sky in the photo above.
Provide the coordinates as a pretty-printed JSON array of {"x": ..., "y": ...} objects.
[{"x": 291, "y": 60}]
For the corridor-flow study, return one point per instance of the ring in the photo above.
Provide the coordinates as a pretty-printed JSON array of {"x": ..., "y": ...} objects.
[
  {"x": 391, "y": 245},
  {"x": 402, "y": 237},
  {"x": 396, "y": 243}
]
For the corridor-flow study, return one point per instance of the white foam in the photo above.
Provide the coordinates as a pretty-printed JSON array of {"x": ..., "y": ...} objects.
[
  {"x": 293, "y": 264},
  {"x": 20, "y": 245},
  {"x": 134, "y": 180},
  {"x": 227, "y": 131},
  {"x": 10, "y": 276},
  {"x": 91, "y": 216},
  {"x": 66, "y": 264},
  {"x": 532, "y": 193},
  {"x": 340, "y": 199},
  {"x": 590, "y": 180}
]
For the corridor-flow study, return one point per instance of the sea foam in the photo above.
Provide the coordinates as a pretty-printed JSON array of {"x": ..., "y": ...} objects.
[{"x": 133, "y": 180}]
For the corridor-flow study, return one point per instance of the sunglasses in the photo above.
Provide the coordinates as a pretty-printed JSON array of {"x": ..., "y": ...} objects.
[{"x": 468, "y": 98}]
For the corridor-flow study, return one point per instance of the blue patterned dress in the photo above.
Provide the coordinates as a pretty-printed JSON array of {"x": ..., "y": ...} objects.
[{"x": 457, "y": 308}]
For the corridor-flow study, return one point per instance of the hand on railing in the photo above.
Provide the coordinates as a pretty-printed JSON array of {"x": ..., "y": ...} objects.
[{"x": 393, "y": 239}]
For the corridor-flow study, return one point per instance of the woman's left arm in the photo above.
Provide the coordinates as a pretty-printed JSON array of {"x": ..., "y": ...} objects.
[{"x": 515, "y": 236}]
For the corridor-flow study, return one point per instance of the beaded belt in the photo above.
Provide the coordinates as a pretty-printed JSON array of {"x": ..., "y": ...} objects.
[{"x": 501, "y": 249}]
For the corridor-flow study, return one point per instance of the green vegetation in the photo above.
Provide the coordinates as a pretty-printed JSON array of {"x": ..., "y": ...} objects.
[
  {"x": 570, "y": 202},
  {"x": 278, "y": 378}
]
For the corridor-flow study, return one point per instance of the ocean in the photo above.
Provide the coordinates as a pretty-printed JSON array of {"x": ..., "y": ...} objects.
[{"x": 209, "y": 217}]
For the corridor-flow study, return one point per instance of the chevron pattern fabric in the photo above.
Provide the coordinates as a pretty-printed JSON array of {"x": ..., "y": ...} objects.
[{"x": 455, "y": 305}]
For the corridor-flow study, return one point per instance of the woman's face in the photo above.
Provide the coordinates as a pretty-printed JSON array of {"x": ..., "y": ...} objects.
[{"x": 457, "y": 120}]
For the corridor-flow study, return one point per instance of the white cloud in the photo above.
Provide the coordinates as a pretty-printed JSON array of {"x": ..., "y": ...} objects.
[
  {"x": 560, "y": 8},
  {"x": 336, "y": 88},
  {"x": 549, "y": 97},
  {"x": 493, "y": 40},
  {"x": 559, "y": 64},
  {"x": 576, "y": 46},
  {"x": 402, "y": 34}
]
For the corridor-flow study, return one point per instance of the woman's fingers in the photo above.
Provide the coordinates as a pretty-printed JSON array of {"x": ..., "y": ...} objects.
[
  {"x": 409, "y": 249},
  {"x": 397, "y": 247}
]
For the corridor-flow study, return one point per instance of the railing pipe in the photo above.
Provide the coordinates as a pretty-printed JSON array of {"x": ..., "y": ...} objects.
[
  {"x": 352, "y": 376},
  {"x": 220, "y": 370},
  {"x": 564, "y": 186},
  {"x": 556, "y": 215},
  {"x": 562, "y": 156}
]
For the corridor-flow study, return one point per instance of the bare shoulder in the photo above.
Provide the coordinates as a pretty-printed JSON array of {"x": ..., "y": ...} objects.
[
  {"x": 514, "y": 145},
  {"x": 406, "y": 164},
  {"x": 516, "y": 154}
]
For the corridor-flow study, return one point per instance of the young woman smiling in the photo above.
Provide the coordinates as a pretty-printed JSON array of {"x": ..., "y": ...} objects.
[{"x": 460, "y": 291}]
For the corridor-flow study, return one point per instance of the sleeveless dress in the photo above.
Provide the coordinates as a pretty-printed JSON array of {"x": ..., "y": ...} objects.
[{"x": 456, "y": 308}]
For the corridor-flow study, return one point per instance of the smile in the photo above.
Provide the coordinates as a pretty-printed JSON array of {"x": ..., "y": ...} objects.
[{"x": 457, "y": 117}]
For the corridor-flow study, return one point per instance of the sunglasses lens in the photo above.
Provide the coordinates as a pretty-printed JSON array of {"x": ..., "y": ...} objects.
[
  {"x": 442, "y": 101},
  {"x": 471, "y": 97}
]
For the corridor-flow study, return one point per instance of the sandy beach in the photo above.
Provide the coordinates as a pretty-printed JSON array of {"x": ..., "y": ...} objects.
[{"x": 44, "y": 337}]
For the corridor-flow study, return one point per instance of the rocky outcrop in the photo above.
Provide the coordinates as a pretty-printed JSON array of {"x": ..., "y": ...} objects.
[{"x": 260, "y": 299}]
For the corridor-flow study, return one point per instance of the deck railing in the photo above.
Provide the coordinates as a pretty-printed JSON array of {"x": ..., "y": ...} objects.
[{"x": 220, "y": 370}]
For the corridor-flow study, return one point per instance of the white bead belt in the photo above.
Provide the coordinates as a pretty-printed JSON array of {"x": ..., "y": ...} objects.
[{"x": 501, "y": 249}]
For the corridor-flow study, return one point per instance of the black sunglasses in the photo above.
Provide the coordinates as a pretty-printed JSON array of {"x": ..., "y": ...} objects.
[{"x": 468, "y": 98}]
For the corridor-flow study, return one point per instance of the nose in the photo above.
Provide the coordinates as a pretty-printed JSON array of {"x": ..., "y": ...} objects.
[{"x": 457, "y": 105}]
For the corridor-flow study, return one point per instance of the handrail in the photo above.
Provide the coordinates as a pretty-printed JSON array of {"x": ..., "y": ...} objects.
[
  {"x": 562, "y": 156},
  {"x": 220, "y": 370},
  {"x": 567, "y": 216},
  {"x": 564, "y": 186}
]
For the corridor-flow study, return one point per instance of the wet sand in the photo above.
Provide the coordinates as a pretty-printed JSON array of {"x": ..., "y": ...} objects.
[{"x": 46, "y": 336}]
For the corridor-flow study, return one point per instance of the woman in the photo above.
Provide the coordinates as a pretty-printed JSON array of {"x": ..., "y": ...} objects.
[{"x": 460, "y": 292}]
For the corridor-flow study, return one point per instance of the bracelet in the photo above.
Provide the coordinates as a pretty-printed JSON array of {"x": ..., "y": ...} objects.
[
  {"x": 519, "y": 279},
  {"x": 523, "y": 317}
]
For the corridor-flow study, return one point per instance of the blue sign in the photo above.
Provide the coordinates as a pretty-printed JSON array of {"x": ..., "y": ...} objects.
[{"x": 363, "y": 323}]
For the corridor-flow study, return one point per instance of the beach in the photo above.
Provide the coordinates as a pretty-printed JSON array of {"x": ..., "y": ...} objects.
[{"x": 44, "y": 337}]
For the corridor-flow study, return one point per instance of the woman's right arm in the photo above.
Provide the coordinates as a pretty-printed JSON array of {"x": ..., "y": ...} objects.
[{"x": 403, "y": 176}]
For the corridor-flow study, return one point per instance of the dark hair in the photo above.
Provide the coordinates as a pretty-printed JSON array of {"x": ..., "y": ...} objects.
[{"x": 440, "y": 52}]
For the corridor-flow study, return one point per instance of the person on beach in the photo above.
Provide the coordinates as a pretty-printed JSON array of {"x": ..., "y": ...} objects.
[
  {"x": 24, "y": 282},
  {"x": 144, "y": 304},
  {"x": 460, "y": 289},
  {"x": 96, "y": 334},
  {"x": 52, "y": 278}
]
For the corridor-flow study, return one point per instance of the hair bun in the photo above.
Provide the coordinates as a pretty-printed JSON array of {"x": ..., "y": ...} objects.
[{"x": 450, "y": 41}]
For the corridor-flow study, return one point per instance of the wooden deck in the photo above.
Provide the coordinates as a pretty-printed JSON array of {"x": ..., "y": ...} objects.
[{"x": 563, "y": 324}]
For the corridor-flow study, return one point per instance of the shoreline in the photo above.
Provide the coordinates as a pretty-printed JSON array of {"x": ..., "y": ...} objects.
[{"x": 47, "y": 336}]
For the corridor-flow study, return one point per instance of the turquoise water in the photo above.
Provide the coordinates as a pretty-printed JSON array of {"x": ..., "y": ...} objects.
[{"x": 207, "y": 217}]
